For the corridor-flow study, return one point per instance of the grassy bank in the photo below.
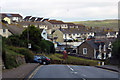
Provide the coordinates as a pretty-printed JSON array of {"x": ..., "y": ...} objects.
[
  {"x": 58, "y": 59},
  {"x": 15, "y": 56},
  {"x": 10, "y": 60}
]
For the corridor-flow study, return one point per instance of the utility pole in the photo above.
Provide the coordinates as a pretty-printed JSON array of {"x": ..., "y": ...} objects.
[{"x": 28, "y": 45}]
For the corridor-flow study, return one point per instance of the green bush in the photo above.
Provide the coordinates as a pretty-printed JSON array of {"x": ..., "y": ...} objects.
[{"x": 47, "y": 46}]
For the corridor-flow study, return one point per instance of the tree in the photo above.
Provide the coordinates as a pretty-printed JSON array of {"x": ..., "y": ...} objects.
[
  {"x": 33, "y": 36},
  {"x": 116, "y": 49},
  {"x": 33, "y": 33},
  {"x": 116, "y": 52}
]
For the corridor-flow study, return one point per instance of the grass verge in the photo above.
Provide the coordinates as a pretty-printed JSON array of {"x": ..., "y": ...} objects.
[{"x": 58, "y": 59}]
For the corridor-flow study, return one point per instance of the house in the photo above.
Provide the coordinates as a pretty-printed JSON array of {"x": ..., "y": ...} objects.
[
  {"x": 12, "y": 29},
  {"x": 58, "y": 36},
  {"x": 11, "y": 18},
  {"x": 94, "y": 49}
]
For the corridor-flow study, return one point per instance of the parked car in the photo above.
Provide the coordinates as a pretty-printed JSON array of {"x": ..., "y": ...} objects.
[{"x": 42, "y": 59}]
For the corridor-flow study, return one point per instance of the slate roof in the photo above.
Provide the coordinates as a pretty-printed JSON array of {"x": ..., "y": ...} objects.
[
  {"x": 27, "y": 18},
  {"x": 32, "y": 19},
  {"x": 107, "y": 41},
  {"x": 15, "y": 29},
  {"x": 45, "y": 19},
  {"x": 92, "y": 43},
  {"x": 39, "y": 19},
  {"x": 101, "y": 34}
]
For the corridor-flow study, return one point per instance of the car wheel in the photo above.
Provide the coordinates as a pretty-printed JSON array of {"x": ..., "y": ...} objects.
[{"x": 44, "y": 63}]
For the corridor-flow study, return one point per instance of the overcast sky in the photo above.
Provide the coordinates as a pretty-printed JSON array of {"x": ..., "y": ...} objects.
[{"x": 66, "y": 10}]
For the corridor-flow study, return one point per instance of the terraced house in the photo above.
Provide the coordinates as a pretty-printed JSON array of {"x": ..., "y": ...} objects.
[{"x": 79, "y": 34}]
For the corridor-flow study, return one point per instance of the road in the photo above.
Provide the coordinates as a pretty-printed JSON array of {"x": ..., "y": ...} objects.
[{"x": 71, "y": 71}]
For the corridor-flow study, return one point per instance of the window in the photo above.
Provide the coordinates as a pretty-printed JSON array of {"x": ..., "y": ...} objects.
[
  {"x": 4, "y": 30},
  {"x": 65, "y": 35},
  {"x": 84, "y": 50}
]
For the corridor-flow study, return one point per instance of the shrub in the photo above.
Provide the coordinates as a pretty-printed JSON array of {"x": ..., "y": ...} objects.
[
  {"x": 10, "y": 61},
  {"x": 47, "y": 46},
  {"x": 27, "y": 53}
]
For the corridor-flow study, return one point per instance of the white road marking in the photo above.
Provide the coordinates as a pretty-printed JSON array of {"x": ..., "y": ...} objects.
[
  {"x": 76, "y": 72},
  {"x": 83, "y": 78},
  {"x": 70, "y": 68}
]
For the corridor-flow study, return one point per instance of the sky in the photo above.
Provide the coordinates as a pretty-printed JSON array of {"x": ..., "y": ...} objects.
[{"x": 65, "y": 10}]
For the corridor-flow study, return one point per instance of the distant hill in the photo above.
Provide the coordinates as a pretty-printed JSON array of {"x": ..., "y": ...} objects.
[{"x": 110, "y": 23}]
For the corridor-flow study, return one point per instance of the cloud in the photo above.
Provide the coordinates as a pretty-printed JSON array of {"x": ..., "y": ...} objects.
[{"x": 66, "y": 10}]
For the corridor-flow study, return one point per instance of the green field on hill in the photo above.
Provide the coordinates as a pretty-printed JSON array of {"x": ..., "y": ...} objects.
[{"x": 100, "y": 23}]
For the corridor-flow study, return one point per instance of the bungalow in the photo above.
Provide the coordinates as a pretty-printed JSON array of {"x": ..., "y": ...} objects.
[{"x": 94, "y": 49}]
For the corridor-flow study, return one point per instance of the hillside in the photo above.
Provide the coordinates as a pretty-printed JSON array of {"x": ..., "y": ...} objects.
[{"x": 112, "y": 24}]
